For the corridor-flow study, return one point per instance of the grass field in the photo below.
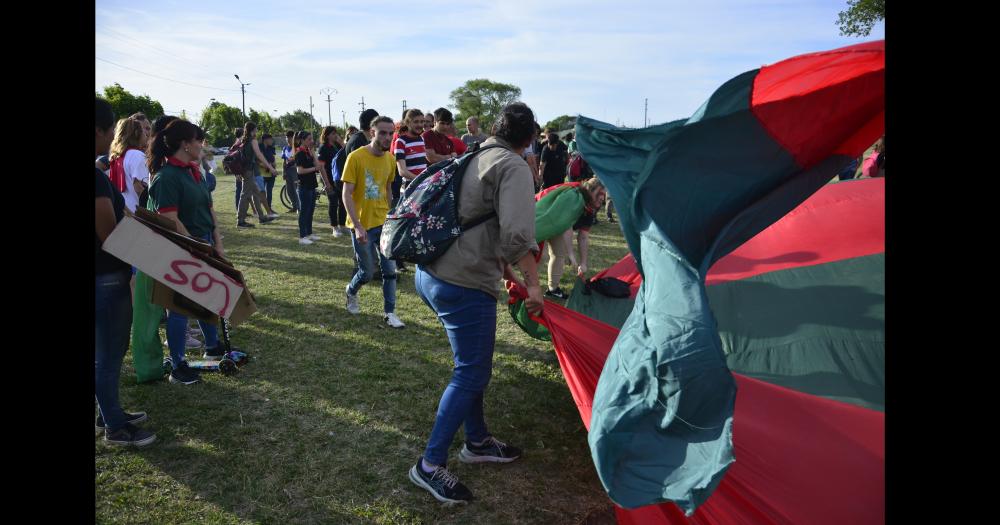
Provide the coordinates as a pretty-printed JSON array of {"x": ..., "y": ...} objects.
[{"x": 325, "y": 422}]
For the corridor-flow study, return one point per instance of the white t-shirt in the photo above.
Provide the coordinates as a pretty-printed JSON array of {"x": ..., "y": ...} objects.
[{"x": 135, "y": 168}]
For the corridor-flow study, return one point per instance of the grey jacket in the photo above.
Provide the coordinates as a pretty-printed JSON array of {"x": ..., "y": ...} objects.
[{"x": 496, "y": 180}]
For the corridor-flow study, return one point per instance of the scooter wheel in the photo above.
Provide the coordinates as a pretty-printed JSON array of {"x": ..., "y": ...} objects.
[{"x": 227, "y": 367}]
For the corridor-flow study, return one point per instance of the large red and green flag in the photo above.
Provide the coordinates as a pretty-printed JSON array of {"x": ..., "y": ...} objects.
[{"x": 689, "y": 192}]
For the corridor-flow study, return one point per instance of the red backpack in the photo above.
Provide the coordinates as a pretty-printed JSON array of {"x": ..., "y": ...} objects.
[
  {"x": 234, "y": 163},
  {"x": 579, "y": 169}
]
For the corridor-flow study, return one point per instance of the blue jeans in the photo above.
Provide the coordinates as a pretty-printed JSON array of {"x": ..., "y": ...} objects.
[
  {"x": 469, "y": 317},
  {"x": 177, "y": 332},
  {"x": 367, "y": 254},
  {"x": 112, "y": 323},
  {"x": 307, "y": 205},
  {"x": 269, "y": 185},
  {"x": 260, "y": 182}
]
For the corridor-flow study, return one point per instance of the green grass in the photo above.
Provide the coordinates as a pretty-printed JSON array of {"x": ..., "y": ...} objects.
[{"x": 325, "y": 422}]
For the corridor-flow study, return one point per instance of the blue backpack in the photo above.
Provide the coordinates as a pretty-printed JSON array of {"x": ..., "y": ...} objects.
[{"x": 425, "y": 221}]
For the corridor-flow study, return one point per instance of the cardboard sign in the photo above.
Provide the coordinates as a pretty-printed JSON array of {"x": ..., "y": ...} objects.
[{"x": 184, "y": 265}]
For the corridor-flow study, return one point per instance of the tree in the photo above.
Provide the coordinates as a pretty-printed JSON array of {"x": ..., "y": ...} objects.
[
  {"x": 297, "y": 121},
  {"x": 265, "y": 122},
  {"x": 484, "y": 99},
  {"x": 124, "y": 103},
  {"x": 219, "y": 122},
  {"x": 860, "y": 16},
  {"x": 560, "y": 123}
]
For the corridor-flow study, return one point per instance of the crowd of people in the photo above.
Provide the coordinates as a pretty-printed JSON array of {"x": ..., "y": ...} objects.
[{"x": 165, "y": 167}]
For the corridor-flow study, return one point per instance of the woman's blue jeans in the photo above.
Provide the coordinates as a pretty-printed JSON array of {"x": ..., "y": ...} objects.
[
  {"x": 307, "y": 205},
  {"x": 469, "y": 317},
  {"x": 177, "y": 332},
  {"x": 112, "y": 323}
]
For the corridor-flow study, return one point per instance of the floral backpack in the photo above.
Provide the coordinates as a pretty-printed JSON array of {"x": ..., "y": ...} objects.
[{"x": 425, "y": 221}]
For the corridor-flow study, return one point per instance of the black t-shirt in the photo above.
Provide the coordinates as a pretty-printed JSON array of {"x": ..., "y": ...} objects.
[
  {"x": 326, "y": 154},
  {"x": 305, "y": 161},
  {"x": 104, "y": 262},
  {"x": 555, "y": 165},
  {"x": 356, "y": 141}
]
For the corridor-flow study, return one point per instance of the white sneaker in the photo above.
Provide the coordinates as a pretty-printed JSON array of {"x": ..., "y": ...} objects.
[
  {"x": 305, "y": 240},
  {"x": 191, "y": 342},
  {"x": 314, "y": 237},
  {"x": 273, "y": 215},
  {"x": 393, "y": 321},
  {"x": 337, "y": 232},
  {"x": 353, "y": 307}
]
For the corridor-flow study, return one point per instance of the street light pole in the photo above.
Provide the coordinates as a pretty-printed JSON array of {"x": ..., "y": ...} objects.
[{"x": 243, "y": 89}]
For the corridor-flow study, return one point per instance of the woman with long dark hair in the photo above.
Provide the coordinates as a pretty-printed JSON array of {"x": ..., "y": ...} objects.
[
  {"x": 305, "y": 166},
  {"x": 180, "y": 192},
  {"x": 251, "y": 156},
  {"x": 112, "y": 305},
  {"x": 330, "y": 144}
]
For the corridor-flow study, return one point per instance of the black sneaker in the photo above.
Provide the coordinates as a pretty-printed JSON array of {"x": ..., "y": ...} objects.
[
  {"x": 265, "y": 219},
  {"x": 491, "y": 451},
  {"x": 244, "y": 224},
  {"x": 184, "y": 374},
  {"x": 217, "y": 352},
  {"x": 443, "y": 485},
  {"x": 400, "y": 267},
  {"x": 130, "y": 435},
  {"x": 130, "y": 417},
  {"x": 556, "y": 294}
]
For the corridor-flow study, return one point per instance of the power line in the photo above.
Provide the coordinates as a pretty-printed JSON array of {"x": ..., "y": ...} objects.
[
  {"x": 188, "y": 62},
  {"x": 163, "y": 78}
]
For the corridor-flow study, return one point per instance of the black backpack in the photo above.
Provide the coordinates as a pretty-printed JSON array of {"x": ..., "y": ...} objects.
[{"x": 425, "y": 221}]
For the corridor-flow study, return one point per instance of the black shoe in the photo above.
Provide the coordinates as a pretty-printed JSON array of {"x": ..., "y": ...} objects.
[
  {"x": 218, "y": 353},
  {"x": 130, "y": 435},
  {"x": 184, "y": 374},
  {"x": 612, "y": 220},
  {"x": 293, "y": 210},
  {"x": 443, "y": 485},
  {"x": 401, "y": 267},
  {"x": 130, "y": 417},
  {"x": 491, "y": 451},
  {"x": 265, "y": 219},
  {"x": 556, "y": 294},
  {"x": 244, "y": 224}
]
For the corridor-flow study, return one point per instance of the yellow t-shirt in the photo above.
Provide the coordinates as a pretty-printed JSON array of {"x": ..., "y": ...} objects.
[{"x": 371, "y": 176}]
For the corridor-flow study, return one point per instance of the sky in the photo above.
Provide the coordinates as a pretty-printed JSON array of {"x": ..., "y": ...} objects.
[{"x": 594, "y": 58}]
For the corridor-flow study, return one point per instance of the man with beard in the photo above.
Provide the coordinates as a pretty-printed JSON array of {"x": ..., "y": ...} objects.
[{"x": 367, "y": 178}]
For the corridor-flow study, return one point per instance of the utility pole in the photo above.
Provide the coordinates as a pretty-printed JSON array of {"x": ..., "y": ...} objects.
[
  {"x": 243, "y": 88},
  {"x": 343, "y": 114},
  {"x": 404, "y": 106},
  {"x": 362, "y": 104},
  {"x": 645, "y": 113},
  {"x": 328, "y": 91},
  {"x": 311, "y": 111}
]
